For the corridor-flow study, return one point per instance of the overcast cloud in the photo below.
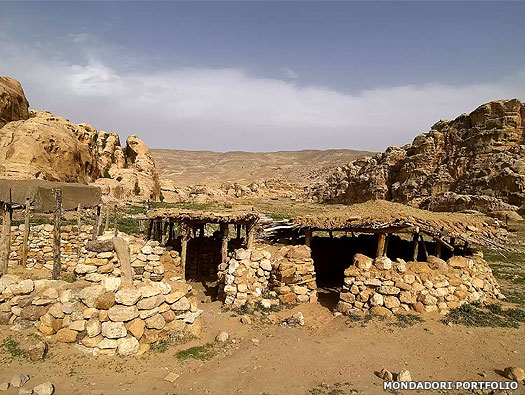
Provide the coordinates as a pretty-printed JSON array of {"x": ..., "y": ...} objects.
[{"x": 226, "y": 109}]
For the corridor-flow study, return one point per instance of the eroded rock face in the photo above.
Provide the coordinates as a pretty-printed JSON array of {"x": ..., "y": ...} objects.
[
  {"x": 41, "y": 145},
  {"x": 480, "y": 154},
  {"x": 13, "y": 103}
]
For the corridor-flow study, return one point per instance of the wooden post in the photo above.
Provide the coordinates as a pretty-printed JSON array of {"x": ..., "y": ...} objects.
[
  {"x": 98, "y": 222},
  {"x": 57, "y": 216},
  {"x": 238, "y": 231},
  {"x": 115, "y": 222},
  {"x": 225, "y": 230},
  {"x": 438, "y": 249},
  {"x": 415, "y": 241},
  {"x": 106, "y": 224},
  {"x": 385, "y": 253},
  {"x": 308, "y": 237},
  {"x": 79, "y": 244},
  {"x": 202, "y": 228},
  {"x": 331, "y": 234},
  {"x": 150, "y": 229},
  {"x": 25, "y": 245},
  {"x": 170, "y": 232},
  {"x": 164, "y": 237},
  {"x": 5, "y": 240},
  {"x": 250, "y": 235},
  {"x": 423, "y": 244},
  {"x": 184, "y": 248},
  {"x": 381, "y": 245}
]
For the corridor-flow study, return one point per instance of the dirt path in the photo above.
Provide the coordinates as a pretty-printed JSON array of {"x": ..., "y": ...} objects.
[{"x": 285, "y": 360}]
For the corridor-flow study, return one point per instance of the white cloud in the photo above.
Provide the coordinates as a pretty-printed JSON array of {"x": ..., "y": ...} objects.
[
  {"x": 228, "y": 109},
  {"x": 289, "y": 73}
]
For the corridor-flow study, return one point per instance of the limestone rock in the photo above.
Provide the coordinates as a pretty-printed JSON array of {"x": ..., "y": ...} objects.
[
  {"x": 19, "y": 380},
  {"x": 38, "y": 351},
  {"x": 127, "y": 346},
  {"x": 222, "y": 337},
  {"x": 13, "y": 103},
  {"x": 404, "y": 375},
  {"x": 46, "y": 388},
  {"x": 472, "y": 162},
  {"x": 128, "y": 297},
  {"x": 514, "y": 373},
  {"x": 121, "y": 313},
  {"x": 114, "y": 330},
  {"x": 66, "y": 335}
]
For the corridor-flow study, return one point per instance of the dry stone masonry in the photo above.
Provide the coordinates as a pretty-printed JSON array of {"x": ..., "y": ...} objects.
[
  {"x": 102, "y": 318},
  {"x": 385, "y": 287},
  {"x": 253, "y": 275}
]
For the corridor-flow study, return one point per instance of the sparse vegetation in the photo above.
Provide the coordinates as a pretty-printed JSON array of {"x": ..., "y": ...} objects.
[
  {"x": 106, "y": 174},
  {"x": 12, "y": 347},
  {"x": 202, "y": 353},
  {"x": 489, "y": 316},
  {"x": 407, "y": 320},
  {"x": 174, "y": 339}
]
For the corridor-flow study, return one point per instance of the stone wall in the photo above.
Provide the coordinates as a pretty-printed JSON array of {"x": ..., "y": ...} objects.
[
  {"x": 101, "y": 318},
  {"x": 148, "y": 259},
  {"x": 293, "y": 275},
  {"x": 245, "y": 277},
  {"x": 385, "y": 287},
  {"x": 251, "y": 275}
]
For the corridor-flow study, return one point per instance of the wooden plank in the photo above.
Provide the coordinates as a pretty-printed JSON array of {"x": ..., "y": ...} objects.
[
  {"x": 5, "y": 239},
  {"x": 438, "y": 248},
  {"x": 381, "y": 245},
  {"x": 224, "y": 242},
  {"x": 106, "y": 223},
  {"x": 98, "y": 219},
  {"x": 57, "y": 216},
  {"x": 250, "y": 235},
  {"x": 424, "y": 245},
  {"x": 25, "y": 242},
  {"x": 164, "y": 237},
  {"x": 308, "y": 237},
  {"x": 123, "y": 254},
  {"x": 150, "y": 229},
  {"x": 415, "y": 242},
  {"x": 115, "y": 221},
  {"x": 184, "y": 248}
]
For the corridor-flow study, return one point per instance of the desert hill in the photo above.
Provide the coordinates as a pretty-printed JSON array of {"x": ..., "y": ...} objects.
[
  {"x": 216, "y": 168},
  {"x": 476, "y": 161}
]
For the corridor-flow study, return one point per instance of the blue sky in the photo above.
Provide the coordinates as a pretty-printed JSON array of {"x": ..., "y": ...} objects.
[{"x": 264, "y": 76}]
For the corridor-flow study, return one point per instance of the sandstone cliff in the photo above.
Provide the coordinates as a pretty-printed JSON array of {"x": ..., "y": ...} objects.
[
  {"x": 36, "y": 144},
  {"x": 476, "y": 160},
  {"x": 13, "y": 102}
]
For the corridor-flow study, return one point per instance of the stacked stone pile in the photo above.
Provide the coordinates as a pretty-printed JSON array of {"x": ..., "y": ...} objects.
[
  {"x": 103, "y": 318},
  {"x": 245, "y": 277},
  {"x": 293, "y": 275},
  {"x": 40, "y": 251},
  {"x": 385, "y": 287},
  {"x": 150, "y": 260}
]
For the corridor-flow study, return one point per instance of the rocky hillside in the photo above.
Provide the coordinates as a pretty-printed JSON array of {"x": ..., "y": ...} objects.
[
  {"x": 476, "y": 161},
  {"x": 36, "y": 144}
]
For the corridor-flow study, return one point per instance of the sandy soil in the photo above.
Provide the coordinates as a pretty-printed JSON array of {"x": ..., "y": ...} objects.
[{"x": 325, "y": 355}]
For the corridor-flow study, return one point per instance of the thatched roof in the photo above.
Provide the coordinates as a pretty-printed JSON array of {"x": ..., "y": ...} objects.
[
  {"x": 39, "y": 192},
  {"x": 382, "y": 215},
  {"x": 178, "y": 215}
]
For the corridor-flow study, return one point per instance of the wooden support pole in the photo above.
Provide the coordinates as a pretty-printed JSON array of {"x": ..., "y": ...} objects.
[
  {"x": 98, "y": 223},
  {"x": 415, "y": 242},
  {"x": 164, "y": 237},
  {"x": 250, "y": 235},
  {"x": 424, "y": 245},
  {"x": 184, "y": 248},
  {"x": 106, "y": 224},
  {"x": 238, "y": 231},
  {"x": 308, "y": 237},
  {"x": 25, "y": 243},
  {"x": 224, "y": 242},
  {"x": 123, "y": 254},
  {"x": 438, "y": 249},
  {"x": 202, "y": 228},
  {"x": 115, "y": 221},
  {"x": 150, "y": 229},
  {"x": 5, "y": 239},
  {"x": 57, "y": 216},
  {"x": 331, "y": 234},
  {"x": 170, "y": 232},
  {"x": 381, "y": 245}
]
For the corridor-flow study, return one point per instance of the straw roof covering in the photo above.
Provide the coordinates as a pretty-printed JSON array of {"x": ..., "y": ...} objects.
[
  {"x": 14, "y": 192},
  {"x": 179, "y": 215},
  {"x": 380, "y": 215}
]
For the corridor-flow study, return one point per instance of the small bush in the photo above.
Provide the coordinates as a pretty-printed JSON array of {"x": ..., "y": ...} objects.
[
  {"x": 12, "y": 347},
  {"x": 106, "y": 174},
  {"x": 202, "y": 353},
  {"x": 406, "y": 320},
  {"x": 492, "y": 316}
]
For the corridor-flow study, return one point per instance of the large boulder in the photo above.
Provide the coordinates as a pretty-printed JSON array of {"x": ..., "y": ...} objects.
[
  {"x": 13, "y": 103},
  {"x": 476, "y": 160}
]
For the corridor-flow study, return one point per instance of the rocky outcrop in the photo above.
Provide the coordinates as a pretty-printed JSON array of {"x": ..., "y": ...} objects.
[
  {"x": 480, "y": 156},
  {"x": 13, "y": 103},
  {"x": 44, "y": 146}
]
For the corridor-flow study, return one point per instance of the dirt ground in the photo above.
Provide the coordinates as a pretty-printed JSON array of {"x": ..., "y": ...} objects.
[{"x": 328, "y": 355}]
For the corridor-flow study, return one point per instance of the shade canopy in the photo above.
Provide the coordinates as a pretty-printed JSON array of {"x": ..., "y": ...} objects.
[{"x": 39, "y": 192}]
